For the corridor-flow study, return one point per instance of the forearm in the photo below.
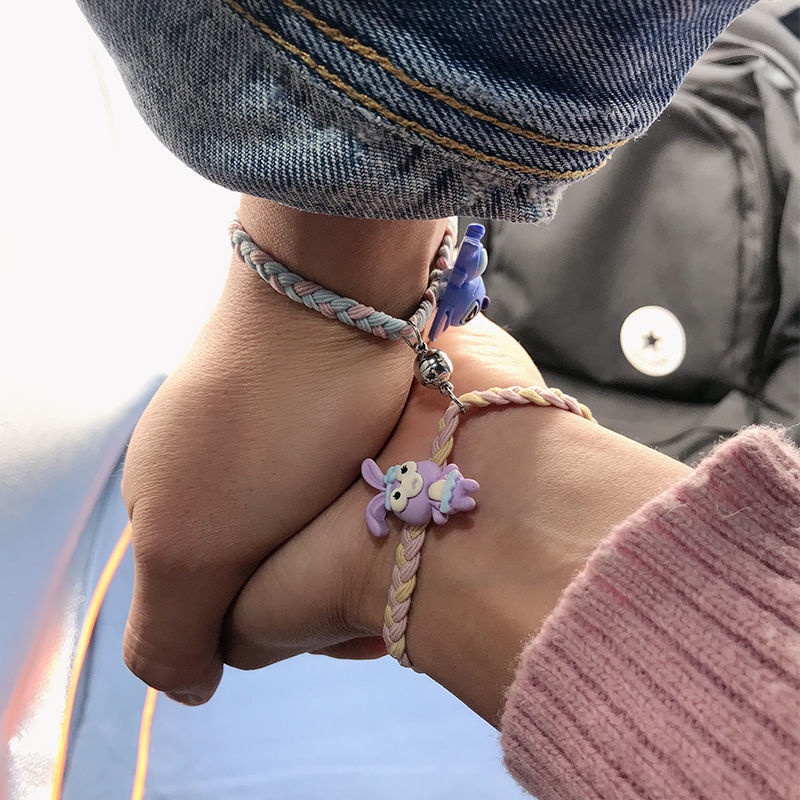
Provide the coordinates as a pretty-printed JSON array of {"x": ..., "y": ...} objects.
[
  {"x": 381, "y": 263},
  {"x": 654, "y": 608},
  {"x": 488, "y": 581}
]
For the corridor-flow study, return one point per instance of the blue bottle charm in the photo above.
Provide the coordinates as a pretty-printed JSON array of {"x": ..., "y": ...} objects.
[{"x": 465, "y": 294}]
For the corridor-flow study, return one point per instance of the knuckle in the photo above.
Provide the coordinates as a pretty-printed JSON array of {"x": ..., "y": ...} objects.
[
  {"x": 149, "y": 670},
  {"x": 164, "y": 546},
  {"x": 148, "y": 664}
]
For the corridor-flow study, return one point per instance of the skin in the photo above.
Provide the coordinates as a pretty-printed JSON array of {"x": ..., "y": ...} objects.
[
  {"x": 552, "y": 487},
  {"x": 232, "y": 457}
]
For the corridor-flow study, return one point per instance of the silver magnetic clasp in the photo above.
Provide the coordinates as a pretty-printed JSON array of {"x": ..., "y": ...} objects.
[{"x": 433, "y": 368}]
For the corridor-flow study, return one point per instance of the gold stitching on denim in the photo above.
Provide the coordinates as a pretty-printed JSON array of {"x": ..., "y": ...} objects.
[
  {"x": 398, "y": 72},
  {"x": 374, "y": 105}
]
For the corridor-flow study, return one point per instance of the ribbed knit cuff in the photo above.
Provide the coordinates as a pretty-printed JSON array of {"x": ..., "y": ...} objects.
[{"x": 671, "y": 666}]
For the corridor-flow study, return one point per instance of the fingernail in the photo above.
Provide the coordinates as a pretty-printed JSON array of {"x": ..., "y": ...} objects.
[{"x": 186, "y": 699}]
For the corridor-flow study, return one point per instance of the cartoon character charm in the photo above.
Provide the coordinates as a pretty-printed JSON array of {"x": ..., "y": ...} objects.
[
  {"x": 416, "y": 492},
  {"x": 465, "y": 295}
]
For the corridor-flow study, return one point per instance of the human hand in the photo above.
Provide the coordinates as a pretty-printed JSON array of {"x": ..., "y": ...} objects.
[
  {"x": 325, "y": 589},
  {"x": 264, "y": 424},
  {"x": 552, "y": 486}
]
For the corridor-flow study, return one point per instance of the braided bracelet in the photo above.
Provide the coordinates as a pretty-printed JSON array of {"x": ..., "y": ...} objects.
[
  {"x": 417, "y": 492},
  {"x": 432, "y": 367},
  {"x": 334, "y": 306}
]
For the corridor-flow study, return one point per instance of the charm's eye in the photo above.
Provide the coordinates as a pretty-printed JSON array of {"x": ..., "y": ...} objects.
[
  {"x": 483, "y": 262},
  {"x": 404, "y": 469},
  {"x": 472, "y": 312},
  {"x": 398, "y": 501}
]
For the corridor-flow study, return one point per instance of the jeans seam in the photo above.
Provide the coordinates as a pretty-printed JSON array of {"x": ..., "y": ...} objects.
[
  {"x": 369, "y": 53},
  {"x": 374, "y": 105}
]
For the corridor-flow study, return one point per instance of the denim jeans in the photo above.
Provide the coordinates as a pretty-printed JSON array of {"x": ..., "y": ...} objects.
[{"x": 408, "y": 108}]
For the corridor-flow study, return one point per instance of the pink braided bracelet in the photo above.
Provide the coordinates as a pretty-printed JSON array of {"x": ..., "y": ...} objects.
[
  {"x": 403, "y": 492},
  {"x": 432, "y": 367},
  {"x": 344, "y": 309}
]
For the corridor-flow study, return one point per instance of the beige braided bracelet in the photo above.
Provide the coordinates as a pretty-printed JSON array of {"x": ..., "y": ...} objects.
[{"x": 403, "y": 492}]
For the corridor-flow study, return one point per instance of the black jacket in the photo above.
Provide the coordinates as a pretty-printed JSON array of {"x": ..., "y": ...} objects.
[{"x": 701, "y": 217}]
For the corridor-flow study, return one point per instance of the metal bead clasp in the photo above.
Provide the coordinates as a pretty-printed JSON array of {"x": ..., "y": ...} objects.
[{"x": 433, "y": 368}]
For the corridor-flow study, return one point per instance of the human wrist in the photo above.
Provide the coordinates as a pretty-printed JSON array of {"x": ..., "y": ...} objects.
[
  {"x": 489, "y": 579},
  {"x": 378, "y": 262},
  {"x": 381, "y": 263}
]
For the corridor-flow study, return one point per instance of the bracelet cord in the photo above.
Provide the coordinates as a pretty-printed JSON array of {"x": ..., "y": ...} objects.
[
  {"x": 412, "y": 538},
  {"x": 344, "y": 309}
]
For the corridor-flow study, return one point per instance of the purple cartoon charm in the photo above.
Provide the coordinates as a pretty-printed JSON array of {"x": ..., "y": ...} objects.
[
  {"x": 416, "y": 491},
  {"x": 465, "y": 294}
]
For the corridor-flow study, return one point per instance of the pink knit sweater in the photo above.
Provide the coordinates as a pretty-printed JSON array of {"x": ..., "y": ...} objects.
[{"x": 671, "y": 666}]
